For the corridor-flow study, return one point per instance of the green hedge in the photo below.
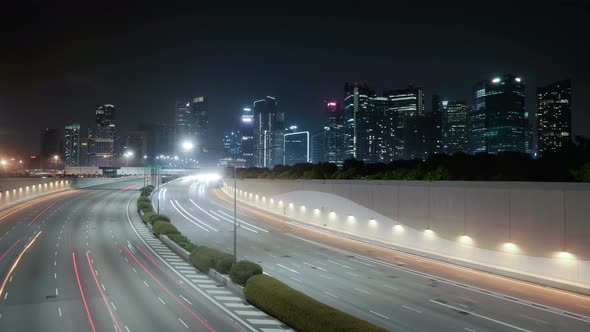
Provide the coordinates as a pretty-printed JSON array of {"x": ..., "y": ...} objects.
[
  {"x": 204, "y": 258},
  {"x": 182, "y": 241},
  {"x": 165, "y": 228},
  {"x": 224, "y": 264},
  {"x": 157, "y": 217},
  {"x": 147, "y": 215},
  {"x": 243, "y": 270},
  {"x": 300, "y": 311},
  {"x": 144, "y": 199},
  {"x": 143, "y": 206}
]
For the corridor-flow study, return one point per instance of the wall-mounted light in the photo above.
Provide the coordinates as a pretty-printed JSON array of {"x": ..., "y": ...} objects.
[
  {"x": 566, "y": 255},
  {"x": 398, "y": 228},
  {"x": 510, "y": 247},
  {"x": 466, "y": 239},
  {"x": 372, "y": 222},
  {"x": 429, "y": 232}
]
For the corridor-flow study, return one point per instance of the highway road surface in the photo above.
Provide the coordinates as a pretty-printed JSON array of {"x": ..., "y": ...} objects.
[
  {"x": 71, "y": 262},
  {"x": 398, "y": 291}
]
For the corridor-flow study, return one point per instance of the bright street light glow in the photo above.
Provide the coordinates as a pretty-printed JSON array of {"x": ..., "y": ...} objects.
[
  {"x": 187, "y": 145},
  {"x": 496, "y": 80}
]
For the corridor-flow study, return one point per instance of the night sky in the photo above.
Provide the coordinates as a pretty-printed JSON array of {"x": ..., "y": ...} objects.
[{"x": 58, "y": 62}]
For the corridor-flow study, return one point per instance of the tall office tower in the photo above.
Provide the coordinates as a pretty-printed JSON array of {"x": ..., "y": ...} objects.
[
  {"x": 454, "y": 126},
  {"x": 334, "y": 134},
  {"x": 72, "y": 144},
  {"x": 554, "y": 117},
  {"x": 436, "y": 138},
  {"x": 50, "y": 143},
  {"x": 232, "y": 145},
  {"x": 163, "y": 140},
  {"x": 497, "y": 121},
  {"x": 382, "y": 121},
  {"x": 137, "y": 143},
  {"x": 358, "y": 110},
  {"x": 265, "y": 132},
  {"x": 200, "y": 113},
  {"x": 248, "y": 143},
  {"x": 296, "y": 147},
  {"x": 407, "y": 106},
  {"x": 319, "y": 146},
  {"x": 102, "y": 139},
  {"x": 184, "y": 131}
]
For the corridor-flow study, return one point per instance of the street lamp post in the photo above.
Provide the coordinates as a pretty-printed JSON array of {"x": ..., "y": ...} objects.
[
  {"x": 55, "y": 158},
  {"x": 235, "y": 219}
]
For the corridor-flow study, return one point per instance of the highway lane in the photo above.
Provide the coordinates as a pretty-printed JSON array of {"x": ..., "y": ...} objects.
[
  {"x": 395, "y": 290},
  {"x": 85, "y": 271}
]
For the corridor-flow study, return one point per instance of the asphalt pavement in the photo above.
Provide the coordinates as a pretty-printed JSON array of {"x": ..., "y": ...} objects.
[
  {"x": 398, "y": 291},
  {"x": 71, "y": 262}
]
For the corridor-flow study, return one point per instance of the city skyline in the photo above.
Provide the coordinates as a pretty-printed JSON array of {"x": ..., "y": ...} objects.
[{"x": 313, "y": 75}]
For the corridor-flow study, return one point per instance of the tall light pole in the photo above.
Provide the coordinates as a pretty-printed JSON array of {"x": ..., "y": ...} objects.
[
  {"x": 158, "y": 182},
  {"x": 235, "y": 219},
  {"x": 127, "y": 155},
  {"x": 55, "y": 158}
]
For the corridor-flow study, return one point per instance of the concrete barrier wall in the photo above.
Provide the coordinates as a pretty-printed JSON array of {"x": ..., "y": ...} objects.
[
  {"x": 17, "y": 190},
  {"x": 13, "y": 191},
  {"x": 537, "y": 229}
]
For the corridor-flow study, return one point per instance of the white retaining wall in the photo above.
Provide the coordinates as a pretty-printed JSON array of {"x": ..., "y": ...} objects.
[{"x": 536, "y": 230}]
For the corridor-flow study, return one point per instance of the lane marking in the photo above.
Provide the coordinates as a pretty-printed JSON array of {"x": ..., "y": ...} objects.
[
  {"x": 501, "y": 296},
  {"x": 378, "y": 314},
  {"x": 482, "y": 316},
  {"x": 14, "y": 265},
  {"x": 332, "y": 295},
  {"x": 410, "y": 308},
  {"x": 82, "y": 293},
  {"x": 362, "y": 291},
  {"x": 183, "y": 323}
]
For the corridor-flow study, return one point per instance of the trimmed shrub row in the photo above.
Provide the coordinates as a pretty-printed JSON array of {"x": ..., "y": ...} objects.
[
  {"x": 164, "y": 228},
  {"x": 182, "y": 241},
  {"x": 146, "y": 191},
  {"x": 298, "y": 310},
  {"x": 158, "y": 217},
  {"x": 204, "y": 258},
  {"x": 243, "y": 270}
]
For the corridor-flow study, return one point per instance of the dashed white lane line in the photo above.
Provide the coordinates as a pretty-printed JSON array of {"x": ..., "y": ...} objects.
[
  {"x": 391, "y": 287},
  {"x": 362, "y": 291},
  {"x": 228, "y": 298},
  {"x": 535, "y": 319},
  {"x": 238, "y": 305},
  {"x": 209, "y": 286},
  {"x": 315, "y": 267},
  {"x": 412, "y": 309},
  {"x": 187, "y": 301},
  {"x": 481, "y": 316},
  {"x": 5, "y": 295},
  {"x": 56, "y": 292},
  {"x": 258, "y": 321},
  {"x": 341, "y": 265},
  {"x": 378, "y": 314},
  {"x": 113, "y": 306},
  {"x": 55, "y": 276},
  {"x": 284, "y": 267},
  {"x": 146, "y": 284},
  {"x": 183, "y": 323},
  {"x": 354, "y": 275},
  {"x": 326, "y": 277},
  {"x": 332, "y": 295},
  {"x": 59, "y": 311},
  {"x": 159, "y": 298},
  {"x": 470, "y": 330},
  {"x": 220, "y": 292},
  {"x": 250, "y": 313}
]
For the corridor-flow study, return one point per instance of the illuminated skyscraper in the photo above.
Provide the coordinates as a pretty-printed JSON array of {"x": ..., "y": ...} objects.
[
  {"x": 296, "y": 148},
  {"x": 358, "y": 110},
  {"x": 267, "y": 132},
  {"x": 454, "y": 124},
  {"x": 554, "y": 116},
  {"x": 497, "y": 121},
  {"x": 72, "y": 144},
  {"x": 247, "y": 132},
  {"x": 102, "y": 139}
]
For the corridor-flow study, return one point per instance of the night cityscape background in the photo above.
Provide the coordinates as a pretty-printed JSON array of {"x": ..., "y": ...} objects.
[
  {"x": 63, "y": 64},
  {"x": 320, "y": 166}
]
